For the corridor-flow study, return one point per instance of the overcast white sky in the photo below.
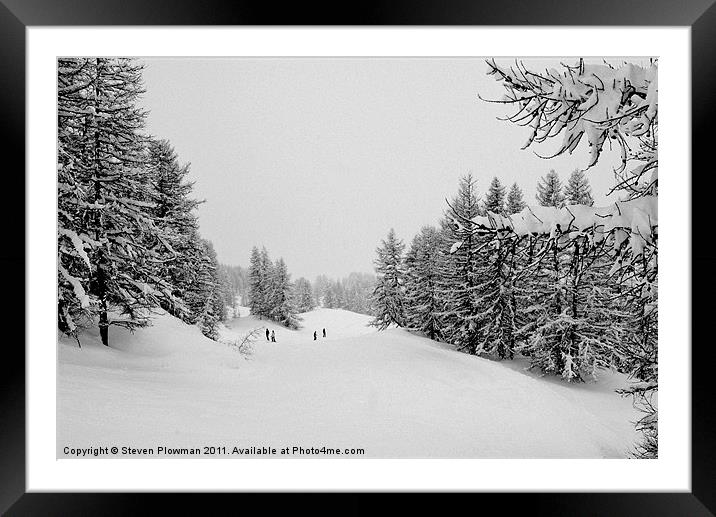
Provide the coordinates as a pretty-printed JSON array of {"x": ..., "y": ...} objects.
[{"x": 317, "y": 158}]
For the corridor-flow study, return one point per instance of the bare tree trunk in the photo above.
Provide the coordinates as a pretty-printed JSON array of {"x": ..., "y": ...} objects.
[{"x": 104, "y": 326}]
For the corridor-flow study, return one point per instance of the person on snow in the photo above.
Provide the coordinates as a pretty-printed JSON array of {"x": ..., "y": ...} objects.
[
  {"x": 314, "y": 335},
  {"x": 273, "y": 337},
  {"x": 267, "y": 334},
  {"x": 324, "y": 332}
]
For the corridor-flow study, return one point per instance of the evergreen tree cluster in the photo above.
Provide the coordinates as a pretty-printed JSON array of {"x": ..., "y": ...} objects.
[
  {"x": 600, "y": 103},
  {"x": 552, "y": 298},
  {"x": 272, "y": 294},
  {"x": 128, "y": 239}
]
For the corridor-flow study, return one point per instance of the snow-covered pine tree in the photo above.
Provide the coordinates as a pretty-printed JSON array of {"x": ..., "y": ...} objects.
[
  {"x": 549, "y": 190},
  {"x": 495, "y": 197},
  {"x": 319, "y": 289},
  {"x": 497, "y": 294},
  {"x": 578, "y": 191},
  {"x": 515, "y": 202},
  {"x": 330, "y": 301},
  {"x": 267, "y": 274},
  {"x": 422, "y": 277},
  {"x": 540, "y": 336},
  {"x": 176, "y": 219},
  {"x": 638, "y": 298},
  {"x": 75, "y": 309},
  {"x": 459, "y": 268},
  {"x": 581, "y": 333},
  {"x": 304, "y": 295},
  {"x": 545, "y": 312},
  {"x": 213, "y": 309},
  {"x": 282, "y": 309},
  {"x": 340, "y": 291},
  {"x": 388, "y": 295},
  {"x": 258, "y": 284},
  {"x": 101, "y": 141}
]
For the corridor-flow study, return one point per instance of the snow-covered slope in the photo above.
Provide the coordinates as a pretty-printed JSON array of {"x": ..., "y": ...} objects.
[{"x": 392, "y": 393}]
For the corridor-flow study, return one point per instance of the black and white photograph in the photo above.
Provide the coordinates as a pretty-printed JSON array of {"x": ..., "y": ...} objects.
[{"x": 357, "y": 257}]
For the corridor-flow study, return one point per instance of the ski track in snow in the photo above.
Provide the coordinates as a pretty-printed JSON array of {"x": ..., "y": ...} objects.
[{"x": 393, "y": 393}]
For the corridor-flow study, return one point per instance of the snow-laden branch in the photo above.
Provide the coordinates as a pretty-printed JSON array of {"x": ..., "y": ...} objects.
[
  {"x": 592, "y": 102},
  {"x": 635, "y": 220}
]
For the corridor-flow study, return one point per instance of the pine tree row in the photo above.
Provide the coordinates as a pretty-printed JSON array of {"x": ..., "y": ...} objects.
[{"x": 553, "y": 298}]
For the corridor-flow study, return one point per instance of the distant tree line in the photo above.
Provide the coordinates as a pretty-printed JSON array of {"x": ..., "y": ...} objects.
[
  {"x": 352, "y": 293},
  {"x": 237, "y": 280},
  {"x": 272, "y": 295},
  {"x": 128, "y": 238}
]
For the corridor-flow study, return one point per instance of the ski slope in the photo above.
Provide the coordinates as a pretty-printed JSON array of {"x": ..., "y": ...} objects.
[{"x": 392, "y": 393}]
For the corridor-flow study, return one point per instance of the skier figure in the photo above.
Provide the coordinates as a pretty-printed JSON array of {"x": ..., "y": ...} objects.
[
  {"x": 314, "y": 335},
  {"x": 267, "y": 334},
  {"x": 324, "y": 332},
  {"x": 273, "y": 337}
]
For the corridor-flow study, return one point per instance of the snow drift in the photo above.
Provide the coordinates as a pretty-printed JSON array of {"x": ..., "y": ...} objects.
[{"x": 395, "y": 394}]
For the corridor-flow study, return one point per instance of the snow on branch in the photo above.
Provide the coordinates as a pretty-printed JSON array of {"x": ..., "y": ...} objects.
[
  {"x": 636, "y": 220},
  {"x": 76, "y": 287},
  {"x": 598, "y": 103}
]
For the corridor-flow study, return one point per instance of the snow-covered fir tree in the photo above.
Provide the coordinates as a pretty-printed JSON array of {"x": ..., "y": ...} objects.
[
  {"x": 423, "y": 304},
  {"x": 102, "y": 164},
  {"x": 515, "y": 202},
  {"x": 175, "y": 212},
  {"x": 459, "y": 268},
  {"x": 496, "y": 294},
  {"x": 75, "y": 308},
  {"x": 336, "y": 295},
  {"x": 389, "y": 292},
  {"x": 495, "y": 197},
  {"x": 578, "y": 191},
  {"x": 303, "y": 294},
  {"x": 330, "y": 300},
  {"x": 638, "y": 298},
  {"x": 267, "y": 275},
  {"x": 319, "y": 289},
  {"x": 575, "y": 331},
  {"x": 271, "y": 293},
  {"x": 213, "y": 310},
  {"x": 549, "y": 190},
  {"x": 258, "y": 284},
  {"x": 282, "y": 309}
]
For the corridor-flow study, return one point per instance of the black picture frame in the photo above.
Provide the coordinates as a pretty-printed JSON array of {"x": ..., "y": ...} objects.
[{"x": 17, "y": 15}]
